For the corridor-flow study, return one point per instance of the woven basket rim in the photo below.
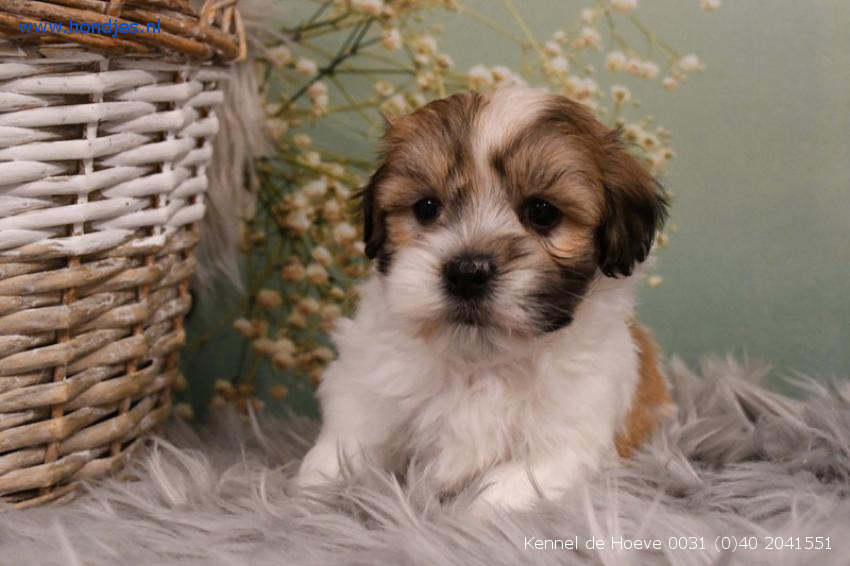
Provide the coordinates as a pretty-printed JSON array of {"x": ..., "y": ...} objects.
[{"x": 216, "y": 32}]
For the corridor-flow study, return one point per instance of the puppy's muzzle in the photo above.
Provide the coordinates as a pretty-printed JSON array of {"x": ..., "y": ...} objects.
[{"x": 469, "y": 276}]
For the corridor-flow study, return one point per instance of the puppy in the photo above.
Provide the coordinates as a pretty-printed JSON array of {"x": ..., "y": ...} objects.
[{"x": 496, "y": 338}]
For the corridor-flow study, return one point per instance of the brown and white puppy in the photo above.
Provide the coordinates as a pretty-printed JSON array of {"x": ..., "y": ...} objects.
[{"x": 496, "y": 338}]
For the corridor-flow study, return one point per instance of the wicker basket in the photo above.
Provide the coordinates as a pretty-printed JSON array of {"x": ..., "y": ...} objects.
[{"x": 102, "y": 177}]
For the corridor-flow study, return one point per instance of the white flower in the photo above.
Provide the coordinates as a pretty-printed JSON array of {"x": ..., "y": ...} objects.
[
  {"x": 316, "y": 188},
  {"x": 444, "y": 61},
  {"x": 621, "y": 94},
  {"x": 649, "y": 70},
  {"x": 322, "y": 255},
  {"x": 502, "y": 74},
  {"x": 384, "y": 88},
  {"x": 279, "y": 56},
  {"x": 312, "y": 158},
  {"x": 332, "y": 210},
  {"x": 670, "y": 83},
  {"x": 302, "y": 141},
  {"x": 244, "y": 327},
  {"x": 278, "y": 127},
  {"x": 588, "y": 37},
  {"x": 582, "y": 87},
  {"x": 368, "y": 7},
  {"x": 552, "y": 48},
  {"x": 269, "y": 298},
  {"x": 425, "y": 80},
  {"x": 560, "y": 36},
  {"x": 316, "y": 274},
  {"x": 479, "y": 76},
  {"x": 710, "y": 5},
  {"x": 633, "y": 66},
  {"x": 317, "y": 90},
  {"x": 308, "y": 306},
  {"x": 306, "y": 67},
  {"x": 654, "y": 281},
  {"x": 425, "y": 45},
  {"x": 615, "y": 61},
  {"x": 395, "y": 105},
  {"x": 558, "y": 65},
  {"x": 418, "y": 99},
  {"x": 391, "y": 39},
  {"x": 589, "y": 15},
  {"x": 298, "y": 222},
  {"x": 624, "y": 5},
  {"x": 690, "y": 63},
  {"x": 344, "y": 232}
]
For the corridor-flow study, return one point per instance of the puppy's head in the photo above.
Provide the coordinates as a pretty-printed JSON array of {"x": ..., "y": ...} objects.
[{"x": 490, "y": 215}]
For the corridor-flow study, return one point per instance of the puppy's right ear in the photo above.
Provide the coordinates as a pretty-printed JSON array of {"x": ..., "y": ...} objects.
[{"x": 374, "y": 219}]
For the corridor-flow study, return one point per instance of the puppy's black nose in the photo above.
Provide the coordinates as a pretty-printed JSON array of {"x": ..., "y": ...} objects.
[{"x": 468, "y": 276}]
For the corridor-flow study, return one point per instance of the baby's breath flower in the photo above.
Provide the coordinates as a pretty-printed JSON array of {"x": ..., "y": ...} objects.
[
  {"x": 690, "y": 63},
  {"x": 298, "y": 222},
  {"x": 323, "y": 353},
  {"x": 444, "y": 61},
  {"x": 391, "y": 39},
  {"x": 649, "y": 70},
  {"x": 589, "y": 38},
  {"x": 710, "y": 5},
  {"x": 589, "y": 15},
  {"x": 559, "y": 36},
  {"x": 279, "y": 56},
  {"x": 297, "y": 320},
  {"x": 655, "y": 280},
  {"x": 395, "y": 105},
  {"x": 384, "y": 88},
  {"x": 264, "y": 346},
  {"x": 293, "y": 271},
  {"x": 316, "y": 89},
  {"x": 625, "y": 6},
  {"x": 316, "y": 274},
  {"x": 344, "y": 232},
  {"x": 302, "y": 141},
  {"x": 620, "y": 94},
  {"x": 278, "y": 127},
  {"x": 558, "y": 66},
  {"x": 322, "y": 255},
  {"x": 244, "y": 327},
  {"x": 479, "y": 77},
  {"x": 308, "y": 306},
  {"x": 425, "y": 45},
  {"x": 316, "y": 188},
  {"x": 332, "y": 210},
  {"x": 552, "y": 48},
  {"x": 306, "y": 67},
  {"x": 337, "y": 293},
  {"x": 269, "y": 298},
  {"x": 670, "y": 83},
  {"x": 615, "y": 61},
  {"x": 368, "y": 7},
  {"x": 312, "y": 158},
  {"x": 330, "y": 312}
]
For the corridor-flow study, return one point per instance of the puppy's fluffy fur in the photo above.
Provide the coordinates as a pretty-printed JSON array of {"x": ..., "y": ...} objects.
[{"x": 496, "y": 338}]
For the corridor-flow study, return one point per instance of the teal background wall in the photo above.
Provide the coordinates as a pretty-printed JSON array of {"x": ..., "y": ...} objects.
[{"x": 759, "y": 259}]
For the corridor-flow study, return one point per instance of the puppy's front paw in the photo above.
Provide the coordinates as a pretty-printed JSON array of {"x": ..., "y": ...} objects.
[
  {"x": 321, "y": 465},
  {"x": 506, "y": 489}
]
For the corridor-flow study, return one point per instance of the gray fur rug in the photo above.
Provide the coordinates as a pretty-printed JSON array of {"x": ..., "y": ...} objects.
[{"x": 739, "y": 461}]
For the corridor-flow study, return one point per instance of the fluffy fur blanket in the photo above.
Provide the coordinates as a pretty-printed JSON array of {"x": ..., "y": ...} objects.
[{"x": 739, "y": 462}]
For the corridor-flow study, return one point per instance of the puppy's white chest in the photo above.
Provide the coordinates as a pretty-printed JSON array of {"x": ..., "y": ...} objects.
[{"x": 474, "y": 423}]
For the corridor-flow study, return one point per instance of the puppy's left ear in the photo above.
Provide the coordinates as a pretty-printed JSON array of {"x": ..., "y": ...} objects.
[
  {"x": 374, "y": 220},
  {"x": 635, "y": 209}
]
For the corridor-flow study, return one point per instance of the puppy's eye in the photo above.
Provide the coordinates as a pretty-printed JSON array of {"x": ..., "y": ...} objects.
[
  {"x": 426, "y": 209},
  {"x": 541, "y": 215}
]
